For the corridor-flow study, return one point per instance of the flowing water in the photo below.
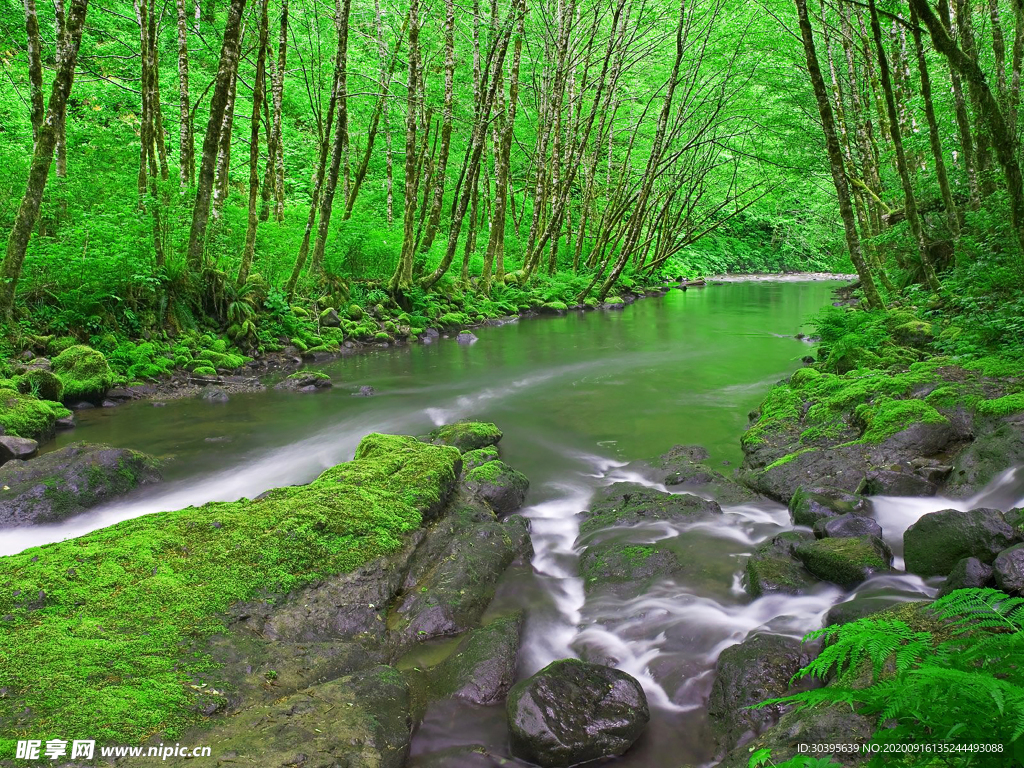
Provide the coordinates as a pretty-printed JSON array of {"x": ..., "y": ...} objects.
[{"x": 578, "y": 398}]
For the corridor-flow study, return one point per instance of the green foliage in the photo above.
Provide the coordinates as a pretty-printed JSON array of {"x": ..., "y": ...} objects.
[
  {"x": 953, "y": 674},
  {"x": 24, "y": 415},
  {"x": 107, "y": 619},
  {"x": 84, "y": 372}
]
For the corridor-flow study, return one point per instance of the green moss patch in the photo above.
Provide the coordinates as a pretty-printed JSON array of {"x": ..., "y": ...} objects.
[
  {"x": 466, "y": 435},
  {"x": 84, "y": 373},
  {"x": 94, "y": 628},
  {"x": 42, "y": 384},
  {"x": 26, "y": 416}
]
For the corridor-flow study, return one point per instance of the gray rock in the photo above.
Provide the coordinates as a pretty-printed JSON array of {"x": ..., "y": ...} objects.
[
  {"x": 846, "y": 527},
  {"x": 465, "y": 337},
  {"x": 846, "y": 562},
  {"x": 808, "y": 506},
  {"x": 630, "y": 503},
  {"x": 365, "y": 391},
  {"x": 17, "y": 448},
  {"x": 685, "y": 467},
  {"x": 68, "y": 422},
  {"x": 986, "y": 457},
  {"x": 1008, "y": 570},
  {"x": 772, "y": 567},
  {"x": 214, "y": 395},
  {"x": 483, "y": 667},
  {"x": 502, "y": 487},
  {"x": 968, "y": 572},
  {"x": 891, "y": 482},
  {"x": 66, "y": 482},
  {"x": 305, "y": 381},
  {"x": 934, "y": 544},
  {"x": 571, "y": 712},
  {"x": 757, "y": 669},
  {"x": 330, "y": 319}
]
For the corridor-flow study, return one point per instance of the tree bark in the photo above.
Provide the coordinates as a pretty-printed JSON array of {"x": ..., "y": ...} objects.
[
  {"x": 42, "y": 158},
  {"x": 963, "y": 122},
  {"x": 258, "y": 91},
  {"x": 401, "y": 280},
  {"x": 35, "y": 68},
  {"x": 223, "y": 179},
  {"x": 204, "y": 184},
  {"x": 186, "y": 163},
  {"x": 835, "y": 158}
]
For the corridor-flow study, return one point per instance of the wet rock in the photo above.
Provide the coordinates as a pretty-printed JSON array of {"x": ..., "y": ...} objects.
[
  {"x": 466, "y": 435},
  {"x": 986, "y": 457},
  {"x": 502, "y": 487},
  {"x": 772, "y": 567},
  {"x": 894, "y": 482},
  {"x": 630, "y": 503},
  {"x": 479, "y": 457},
  {"x": 968, "y": 572},
  {"x": 630, "y": 569},
  {"x": 109, "y": 404},
  {"x": 329, "y": 318},
  {"x": 66, "y": 482},
  {"x": 799, "y": 731},
  {"x": 465, "y": 337},
  {"x": 17, "y": 448},
  {"x": 365, "y": 391},
  {"x": 214, "y": 395},
  {"x": 67, "y": 422},
  {"x": 1008, "y": 570},
  {"x": 483, "y": 667},
  {"x": 808, "y": 506},
  {"x": 81, "y": 405},
  {"x": 757, "y": 669},
  {"x": 685, "y": 467},
  {"x": 453, "y": 576},
  {"x": 471, "y": 756},
  {"x": 305, "y": 381},
  {"x": 934, "y": 544},
  {"x": 571, "y": 712},
  {"x": 358, "y": 721},
  {"x": 846, "y": 527},
  {"x": 846, "y": 562},
  {"x": 858, "y": 608}
]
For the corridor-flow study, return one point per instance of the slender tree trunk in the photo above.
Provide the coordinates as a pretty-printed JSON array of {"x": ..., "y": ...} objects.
[
  {"x": 154, "y": 94},
  {"x": 401, "y": 281},
  {"x": 952, "y": 217},
  {"x": 273, "y": 179},
  {"x": 187, "y": 163},
  {"x": 982, "y": 140},
  {"x": 258, "y": 92},
  {"x": 1013, "y": 103},
  {"x": 963, "y": 122},
  {"x": 835, "y": 157},
  {"x": 385, "y": 77},
  {"x": 222, "y": 183},
  {"x": 340, "y": 140},
  {"x": 62, "y": 44},
  {"x": 35, "y": 68},
  {"x": 204, "y": 183},
  {"x": 913, "y": 218},
  {"x": 42, "y": 158}
]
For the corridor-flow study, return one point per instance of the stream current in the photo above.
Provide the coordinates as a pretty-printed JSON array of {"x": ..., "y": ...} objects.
[{"x": 578, "y": 397}]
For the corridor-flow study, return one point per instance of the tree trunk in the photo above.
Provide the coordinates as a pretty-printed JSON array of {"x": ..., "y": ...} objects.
[
  {"x": 340, "y": 139},
  {"x": 913, "y": 218},
  {"x": 204, "y": 183},
  {"x": 835, "y": 158},
  {"x": 62, "y": 43},
  {"x": 222, "y": 184},
  {"x": 187, "y": 163},
  {"x": 389, "y": 182},
  {"x": 35, "y": 68},
  {"x": 963, "y": 122},
  {"x": 258, "y": 91},
  {"x": 42, "y": 158},
  {"x": 273, "y": 179}
]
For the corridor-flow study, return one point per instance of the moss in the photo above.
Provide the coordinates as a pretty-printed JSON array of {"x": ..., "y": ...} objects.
[
  {"x": 84, "y": 373},
  {"x": 223, "y": 360},
  {"x": 496, "y": 473},
  {"x": 843, "y": 561},
  {"x": 328, "y": 349},
  {"x": 204, "y": 370},
  {"x": 355, "y": 312},
  {"x": 41, "y": 384},
  {"x": 614, "y": 300},
  {"x": 309, "y": 375},
  {"x": 450, "y": 319},
  {"x": 886, "y": 417},
  {"x": 300, "y": 311},
  {"x": 803, "y": 377},
  {"x": 1002, "y": 406},
  {"x": 382, "y": 336},
  {"x": 466, "y": 435},
  {"x": 26, "y": 416},
  {"x": 781, "y": 405},
  {"x": 119, "y": 605},
  {"x": 788, "y": 458},
  {"x": 478, "y": 457},
  {"x": 555, "y": 306}
]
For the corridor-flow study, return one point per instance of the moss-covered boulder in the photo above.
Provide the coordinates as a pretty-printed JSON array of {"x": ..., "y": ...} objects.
[
  {"x": 68, "y": 481},
  {"x": 772, "y": 567},
  {"x": 622, "y": 504},
  {"x": 808, "y": 506},
  {"x": 746, "y": 674},
  {"x": 846, "y": 562},
  {"x": 466, "y": 435},
  {"x": 685, "y": 467},
  {"x": 26, "y": 416},
  {"x": 84, "y": 372},
  {"x": 40, "y": 383},
  {"x": 305, "y": 381},
  {"x": 572, "y": 712},
  {"x": 502, "y": 487},
  {"x": 992, "y": 452},
  {"x": 938, "y": 540},
  {"x": 479, "y": 457},
  {"x": 142, "y": 595}
]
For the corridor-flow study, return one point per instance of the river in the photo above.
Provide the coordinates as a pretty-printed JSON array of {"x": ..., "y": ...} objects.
[{"x": 578, "y": 397}]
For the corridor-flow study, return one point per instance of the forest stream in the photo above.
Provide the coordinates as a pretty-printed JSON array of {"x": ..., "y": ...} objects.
[{"x": 578, "y": 397}]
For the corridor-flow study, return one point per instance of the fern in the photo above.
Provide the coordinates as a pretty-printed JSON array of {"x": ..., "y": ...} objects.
[{"x": 960, "y": 683}]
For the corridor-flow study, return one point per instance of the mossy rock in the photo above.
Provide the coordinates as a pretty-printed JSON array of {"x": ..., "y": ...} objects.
[
  {"x": 934, "y": 544},
  {"x": 772, "y": 568},
  {"x": 204, "y": 370},
  {"x": 554, "y": 307},
  {"x": 466, "y": 435},
  {"x": 629, "y": 569},
  {"x": 483, "y": 666},
  {"x": 846, "y": 562},
  {"x": 478, "y": 457},
  {"x": 147, "y": 589},
  {"x": 40, "y": 383},
  {"x": 66, "y": 482},
  {"x": 811, "y": 505},
  {"x": 614, "y": 301},
  {"x": 84, "y": 373},
  {"x": 355, "y": 312},
  {"x": 502, "y": 487},
  {"x": 629, "y": 503},
  {"x": 26, "y": 416},
  {"x": 305, "y": 381}
]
